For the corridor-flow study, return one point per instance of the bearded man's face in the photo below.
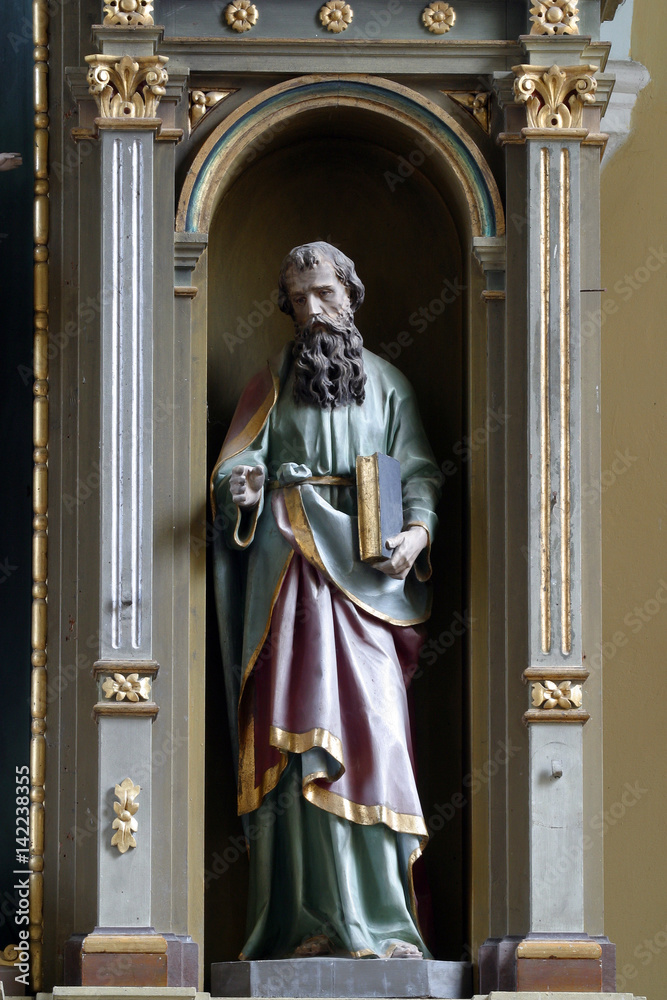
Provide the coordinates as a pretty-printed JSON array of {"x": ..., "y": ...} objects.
[{"x": 328, "y": 361}]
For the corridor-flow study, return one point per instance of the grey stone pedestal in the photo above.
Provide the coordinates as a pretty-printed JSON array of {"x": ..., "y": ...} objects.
[{"x": 342, "y": 977}]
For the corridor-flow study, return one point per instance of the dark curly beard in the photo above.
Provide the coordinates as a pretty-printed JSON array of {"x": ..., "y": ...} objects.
[{"x": 328, "y": 362}]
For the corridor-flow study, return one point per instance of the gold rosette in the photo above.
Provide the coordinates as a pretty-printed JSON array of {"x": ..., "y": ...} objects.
[
  {"x": 439, "y": 17},
  {"x": 241, "y": 15},
  {"x": 335, "y": 15}
]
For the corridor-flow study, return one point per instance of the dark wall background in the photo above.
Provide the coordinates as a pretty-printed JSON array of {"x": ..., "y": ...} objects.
[{"x": 16, "y": 131}]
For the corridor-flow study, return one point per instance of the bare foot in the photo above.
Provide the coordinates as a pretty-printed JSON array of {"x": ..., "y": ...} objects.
[
  {"x": 405, "y": 950},
  {"x": 318, "y": 945}
]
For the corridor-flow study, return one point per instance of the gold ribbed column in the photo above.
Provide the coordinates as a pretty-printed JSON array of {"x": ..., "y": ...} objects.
[{"x": 40, "y": 494}]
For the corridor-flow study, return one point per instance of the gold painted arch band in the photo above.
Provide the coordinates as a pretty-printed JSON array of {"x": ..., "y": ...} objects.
[{"x": 225, "y": 150}]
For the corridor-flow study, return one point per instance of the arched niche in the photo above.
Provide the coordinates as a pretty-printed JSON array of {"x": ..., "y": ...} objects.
[{"x": 396, "y": 184}]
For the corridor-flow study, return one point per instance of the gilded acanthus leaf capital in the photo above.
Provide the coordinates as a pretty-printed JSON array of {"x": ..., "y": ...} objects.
[
  {"x": 127, "y": 87},
  {"x": 555, "y": 96}
]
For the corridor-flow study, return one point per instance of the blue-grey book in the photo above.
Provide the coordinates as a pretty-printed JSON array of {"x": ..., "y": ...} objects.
[{"x": 379, "y": 504}]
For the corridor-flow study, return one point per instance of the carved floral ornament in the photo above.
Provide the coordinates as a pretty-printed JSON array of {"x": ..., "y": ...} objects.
[
  {"x": 241, "y": 15},
  {"x": 563, "y": 694},
  {"x": 125, "y": 824},
  {"x": 555, "y": 17},
  {"x": 475, "y": 102},
  {"x": 132, "y": 13},
  {"x": 555, "y": 97},
  {"x": 439, "y": 17},
  {"x": 126, "y": 87},
  {"x": 128, "y": 686},
  {"x": 202, "y": 101},
  {"x": 336, "y": 15}
]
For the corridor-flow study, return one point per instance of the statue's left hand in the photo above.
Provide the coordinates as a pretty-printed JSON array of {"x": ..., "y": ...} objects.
[
  {"x": 406, "y": 547},
  {"x": 9, "y": 161}
]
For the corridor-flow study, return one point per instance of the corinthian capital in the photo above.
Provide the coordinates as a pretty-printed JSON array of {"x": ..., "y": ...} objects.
[
  {"x": 127, "y": 87},
  {"x": 555, "y": 97}
]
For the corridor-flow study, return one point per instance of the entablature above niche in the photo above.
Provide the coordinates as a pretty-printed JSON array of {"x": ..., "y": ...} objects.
[
  {"x": 366, "y": 20},
  {"x": 287, "y": 57},
  {"x": 391, "y": 34}
]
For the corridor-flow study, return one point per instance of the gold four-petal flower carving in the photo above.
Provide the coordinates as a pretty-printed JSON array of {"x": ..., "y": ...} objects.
[
  {"x": 129, "y": 686},
  {"x": 125, "y": 824},
  {"x": 554, "y": 17},
  {"x": 133, "y": 13},
  {"x": 439, "y": 17},
  {"x": 335, "y": 15},
  {"x": 241, "y": 15},
  {"x": 563, "y": 694}
]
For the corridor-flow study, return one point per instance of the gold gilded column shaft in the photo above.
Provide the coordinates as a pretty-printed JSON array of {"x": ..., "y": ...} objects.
[
  {"x": 565, "y": 481},
  {"x": 40, "y": 483},
  {"x": 545, "y": 423}
]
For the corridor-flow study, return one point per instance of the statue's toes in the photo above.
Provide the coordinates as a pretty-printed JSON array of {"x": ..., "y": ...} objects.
[
  {"x": 405, "y": 950},
  {"x": 317, "y": 945}
]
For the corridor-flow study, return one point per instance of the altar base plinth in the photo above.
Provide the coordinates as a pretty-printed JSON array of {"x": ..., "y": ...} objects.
[{"x": 342, "y": 977}]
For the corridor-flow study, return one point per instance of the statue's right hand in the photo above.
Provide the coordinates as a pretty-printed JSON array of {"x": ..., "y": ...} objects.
[{"x": 246, "y": 484}]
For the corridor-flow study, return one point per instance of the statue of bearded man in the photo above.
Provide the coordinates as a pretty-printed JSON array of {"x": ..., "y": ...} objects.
[{"x": 326, "y": 643}]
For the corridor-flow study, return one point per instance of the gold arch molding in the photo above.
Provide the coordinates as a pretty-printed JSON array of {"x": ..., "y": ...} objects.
[{"x": 225, "y": 152}]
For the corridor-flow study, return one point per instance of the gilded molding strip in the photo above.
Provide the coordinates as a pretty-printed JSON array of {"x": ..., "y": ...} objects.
[
  {"x": 559, "y": 949},
  {"x": 141, "y": 709},
  {"x": 545, "y": 428},
  {"x": 565, "y": 484},
  {"x": 574, "y": 715},
  {"x": 555, "y": 673},
  {"x": 40, "y": 15},
  {"x": 124, "y": 944}
]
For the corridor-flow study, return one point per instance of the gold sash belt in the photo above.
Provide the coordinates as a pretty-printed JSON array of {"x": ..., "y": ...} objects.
[{"x": 314, "y": 481}]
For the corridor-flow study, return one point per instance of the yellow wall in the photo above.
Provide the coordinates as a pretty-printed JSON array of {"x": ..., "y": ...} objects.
[{"x": 634, "y": 525}]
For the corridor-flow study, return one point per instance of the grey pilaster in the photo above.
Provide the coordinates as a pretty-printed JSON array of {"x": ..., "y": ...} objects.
[
  {"x": 127, "y": 89},
  {"x": 555, "y": 552}
]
